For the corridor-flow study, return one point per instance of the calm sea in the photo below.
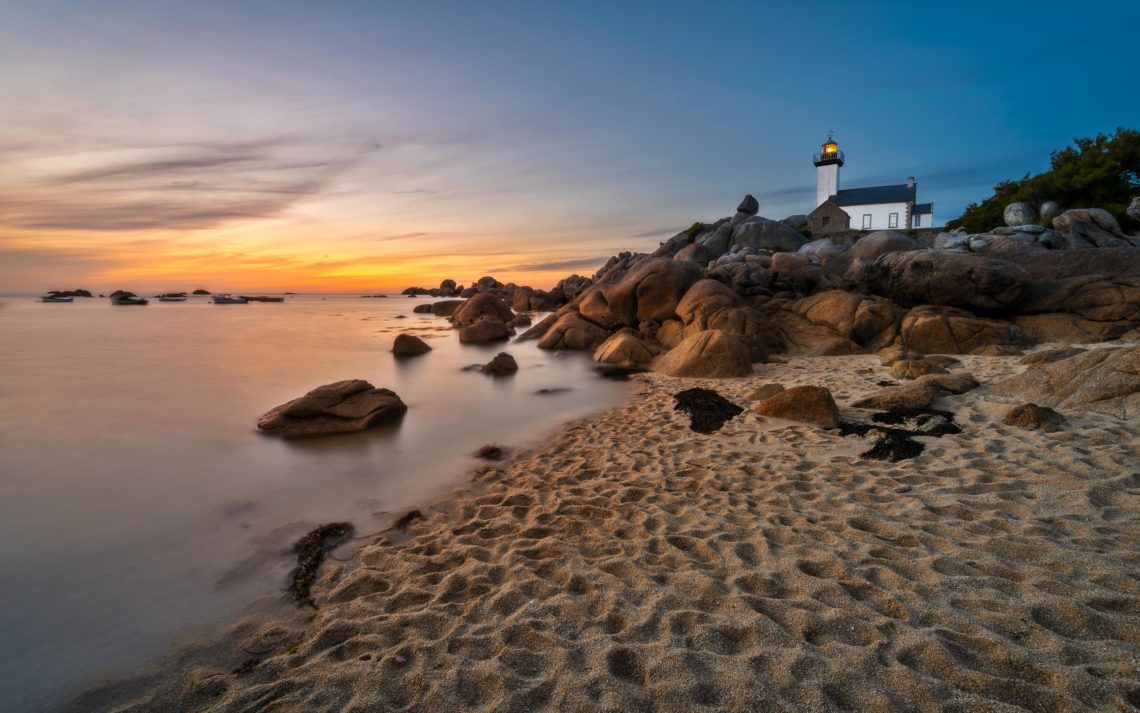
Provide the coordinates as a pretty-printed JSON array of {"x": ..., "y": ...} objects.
[{"x": 138, "y": 504}]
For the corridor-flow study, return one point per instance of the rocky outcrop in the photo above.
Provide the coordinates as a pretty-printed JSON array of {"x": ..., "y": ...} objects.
[
  {"x": 947, "y": 330},
  {"x": 481, "y": 305},
  {"x": 486, "y": 329},
  {"x": 341, "y": 407},
  {"x": 870, "y": 323},
  {"x": 710, "y": 304},
  {"x": 1089, "y": 227},
  {"x": 502, "y": 365},
  {"x": 708, "y": 354},
  {"x": 950, "y": 278},
  {"x": 650, "y": 290},
  {"x": 571, "y": 331},
  {"x": 406, "y": 345},
  {"x": 626, "y": 349},
  {"x": 808, "y": 404},
  {"x": 1103, "y": 380},
  {"x": 764, "y": 235}
]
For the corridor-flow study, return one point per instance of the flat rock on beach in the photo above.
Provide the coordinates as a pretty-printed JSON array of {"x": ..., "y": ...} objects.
[{"x": 631, "y": 564}]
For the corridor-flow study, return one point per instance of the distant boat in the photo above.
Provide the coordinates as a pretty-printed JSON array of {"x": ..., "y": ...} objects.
[
  {"x": 229, "y": 300},
  {"x": 261, "y": 298},
  {"x": 52, "y": 298},
  {"x": 172, "y": 297},
  {"x": 124, "y": 300}
]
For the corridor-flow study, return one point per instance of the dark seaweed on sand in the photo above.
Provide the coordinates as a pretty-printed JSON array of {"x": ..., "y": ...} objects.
[
  {"x": 707, "y": 409},
  {"x": 895, "y": 444},
  {"x": 311, "y": 550}
]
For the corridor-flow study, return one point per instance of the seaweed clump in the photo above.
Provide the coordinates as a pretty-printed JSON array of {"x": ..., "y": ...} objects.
[
  {"x": 895, "y": 444},
  {"x": 311, "y": 550},
  {"x": 708, "y": 411}
]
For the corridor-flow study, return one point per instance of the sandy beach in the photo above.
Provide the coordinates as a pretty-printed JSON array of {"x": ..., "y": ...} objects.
[{"x": 629, "y": 563}]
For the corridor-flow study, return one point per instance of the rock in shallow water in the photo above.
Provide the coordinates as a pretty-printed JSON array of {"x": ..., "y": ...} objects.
[
  {"x": 502, "y": 365},
  {"x": 409, "y": 345},
  {"x": 341, "y": 407}
]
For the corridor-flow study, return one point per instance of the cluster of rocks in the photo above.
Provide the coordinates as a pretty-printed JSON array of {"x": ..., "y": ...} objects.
[
  {"x": 69, "y": 293},
  {"x": 1026, "y": 229},
  {"x": 518, "y": 297},
  {"x": 717, "y": 297}
]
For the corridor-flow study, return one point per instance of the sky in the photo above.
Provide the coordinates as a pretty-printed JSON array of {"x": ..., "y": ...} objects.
[{"x": 373, "y": 145}]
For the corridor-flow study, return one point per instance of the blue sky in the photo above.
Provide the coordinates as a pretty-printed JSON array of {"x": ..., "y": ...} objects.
[{"x": 345, "y": 138}]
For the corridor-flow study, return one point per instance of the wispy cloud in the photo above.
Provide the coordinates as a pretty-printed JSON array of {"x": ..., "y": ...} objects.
[
  {"x": 181, "y": 186},
  {"x": 554, "y": 265}
]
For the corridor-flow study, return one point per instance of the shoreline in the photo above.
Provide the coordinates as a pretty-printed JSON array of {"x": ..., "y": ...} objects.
[{"x": 627, "y": 562}]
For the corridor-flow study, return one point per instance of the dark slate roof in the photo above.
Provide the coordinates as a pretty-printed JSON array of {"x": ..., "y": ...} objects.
[
  {"x": 901, "y": 193},
  {"x": 922, "y": 209}
]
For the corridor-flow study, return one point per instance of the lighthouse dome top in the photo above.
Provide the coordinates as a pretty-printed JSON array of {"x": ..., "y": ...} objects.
[{"x": 828, "y": 153}]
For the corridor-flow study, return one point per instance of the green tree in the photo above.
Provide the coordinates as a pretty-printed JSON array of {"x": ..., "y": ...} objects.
[{"x": 1098, "y": 172}]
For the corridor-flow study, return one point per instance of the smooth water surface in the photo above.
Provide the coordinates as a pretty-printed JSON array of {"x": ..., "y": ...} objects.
[{"x": 138, "y": 503}]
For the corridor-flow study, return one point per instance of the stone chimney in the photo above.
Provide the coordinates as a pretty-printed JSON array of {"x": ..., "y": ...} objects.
[{"x": 910, "y": 182}]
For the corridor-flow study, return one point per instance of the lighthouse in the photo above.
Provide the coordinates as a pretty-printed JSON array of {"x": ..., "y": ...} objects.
[{"x": 827, "y": 164}]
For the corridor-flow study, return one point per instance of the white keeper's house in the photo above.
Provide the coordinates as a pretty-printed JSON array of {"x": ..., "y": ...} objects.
[{"x": 893, "y": 207}]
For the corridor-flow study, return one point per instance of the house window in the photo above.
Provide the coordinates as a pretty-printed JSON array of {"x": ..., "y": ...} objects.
[
  {"x": 893, "y": 220},
  {"x": 826, "y": 220},
  {"x": 866, "y": 221}
]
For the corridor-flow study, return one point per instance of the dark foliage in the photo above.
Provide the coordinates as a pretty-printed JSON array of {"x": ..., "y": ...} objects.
[
  {"x": 708, "y": 411},
  {"x": 1098, "y": 172}
]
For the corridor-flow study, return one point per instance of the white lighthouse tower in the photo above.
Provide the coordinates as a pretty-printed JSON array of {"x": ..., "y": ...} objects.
[{"x": 827, "y": 164}]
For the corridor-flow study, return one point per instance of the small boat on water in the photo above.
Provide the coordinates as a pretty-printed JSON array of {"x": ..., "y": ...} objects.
[
  {"x": 125, "y": 300},
  {"x": 53, "y": 298},
  {"x": 229, "y": 300},
  {"x": 172, "y": 297}
]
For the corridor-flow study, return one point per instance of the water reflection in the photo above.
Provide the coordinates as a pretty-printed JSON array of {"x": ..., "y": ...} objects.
[{"x": 138, "y": 500}]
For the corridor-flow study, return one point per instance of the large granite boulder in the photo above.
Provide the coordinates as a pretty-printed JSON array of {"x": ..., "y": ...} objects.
[
  {"x": 1049, "y": 211},
  {"x": 1102, "y": 380},
  {"x": 881, "y": 242},
  {"x": 710, "y": 304},
  {"x": 951, "y": 278},
  {"x": 1070, "y": 328},
  {"x": 872, "y": 323},
  {"x": 717, "y": 241},
  {"x": 626, "y": 349},
  {"x": 487, "y": 329},
  {"x": 1133, "y": 210},
  {"x": 913, "y": 395},
  {"x": 651, "y": 289},
  {"x": 697, "y": 254},
  {"x": 571, "y": 331},
  {"x": 406, "y": 345},
  {"x": 1089, "y": 228},
  {"x": 708, "y": 354},
  {"x": 1019, "y": 214},
  {"x": 798, "y": 222},
  {"x": 341, "y": 407},
  {"x": 445, "y": 308},
  {"x": 809, "y": 404},
  {"x": 764, "y": 235},
  {"x": 947, "y": 330},
  {"x": 484, "y": 304}
]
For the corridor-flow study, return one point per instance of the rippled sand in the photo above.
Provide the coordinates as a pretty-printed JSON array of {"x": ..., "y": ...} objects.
[{"x": 630, "y": 564}]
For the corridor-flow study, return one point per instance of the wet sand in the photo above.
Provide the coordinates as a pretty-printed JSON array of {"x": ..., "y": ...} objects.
[{"x": 631, "y": 564}]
